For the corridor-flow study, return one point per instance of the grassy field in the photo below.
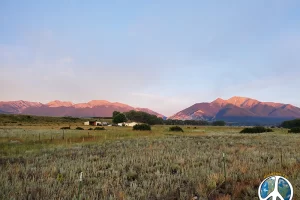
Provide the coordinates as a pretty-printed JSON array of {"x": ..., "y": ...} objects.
[
  {"x": 43, "y": 162},
  {"x": 30, "y": 120}
]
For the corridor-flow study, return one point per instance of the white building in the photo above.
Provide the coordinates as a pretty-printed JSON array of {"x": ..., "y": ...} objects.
[
  {"x": 104, "y": 123},
  {"x": 98, "y": 124},
  {"x": 131, "y": 124},
  {"x": 121, "y": 124}
]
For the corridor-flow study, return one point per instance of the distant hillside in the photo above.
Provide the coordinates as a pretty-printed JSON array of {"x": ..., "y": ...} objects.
[
  {"x": 57, "y": 108},
  {"x": 239, "y": 109}
]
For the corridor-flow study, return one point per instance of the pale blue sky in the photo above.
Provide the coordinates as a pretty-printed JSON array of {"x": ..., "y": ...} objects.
[{"x": 164, "y": 55}]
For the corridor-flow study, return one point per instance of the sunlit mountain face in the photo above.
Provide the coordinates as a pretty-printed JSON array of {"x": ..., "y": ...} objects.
[
  {"x": 239, "y": 109},
  {"x": 94, "y": 108}
]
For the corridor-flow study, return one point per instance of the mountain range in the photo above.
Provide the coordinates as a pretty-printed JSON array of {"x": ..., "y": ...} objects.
[
  {"x": 239, "y": 109},
  {"x": 94, "y": 108},
  {"x": 236, "y": 109}
]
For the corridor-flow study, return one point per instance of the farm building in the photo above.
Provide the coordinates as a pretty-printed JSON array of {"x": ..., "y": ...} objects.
[
  {"x": 98, "y": 124},
  {"x": 95, "y": 123}
]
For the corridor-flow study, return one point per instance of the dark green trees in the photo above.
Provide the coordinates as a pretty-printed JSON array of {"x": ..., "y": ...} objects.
[
  {"x": 119, "y": 118},
  {"x": 291, "y": 123},
  {"x": 295, "y": 130},
  {"x": 115, "y": 113},
  {"x": 136, "y": 116},
  {"x": 143, "y": 117},
  {"x": 219, "y": 123}
]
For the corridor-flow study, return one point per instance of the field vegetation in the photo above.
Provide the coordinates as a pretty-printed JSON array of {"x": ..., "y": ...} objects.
[{"x": 44, "y": 162}]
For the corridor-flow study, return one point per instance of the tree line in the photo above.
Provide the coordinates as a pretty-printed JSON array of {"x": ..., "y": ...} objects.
[
  {"x": 193, "y": 122},
  {"x": 291, "y": 123},
  {"x": 137, "y": 116},
  {"x": 143, "y": 117}
]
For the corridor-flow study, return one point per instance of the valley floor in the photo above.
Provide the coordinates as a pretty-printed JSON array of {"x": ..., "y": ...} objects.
[{"x": 44, "y": 162}]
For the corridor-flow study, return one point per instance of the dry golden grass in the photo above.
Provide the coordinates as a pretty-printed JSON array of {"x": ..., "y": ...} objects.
[{"x": 119, "y": 163}]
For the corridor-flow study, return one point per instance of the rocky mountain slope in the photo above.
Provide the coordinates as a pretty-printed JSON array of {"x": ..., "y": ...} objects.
[
  {"x": 239, "y": 109},
  {"x": 94, "y": 108}
]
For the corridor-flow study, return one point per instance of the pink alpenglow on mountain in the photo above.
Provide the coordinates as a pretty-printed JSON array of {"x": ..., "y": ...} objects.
[
  {"x": 238, "y": 107},
  {"x": 58, "y": 103},
  {"x": 17, "y": 107},
  {"x": 94, "y": 108}
]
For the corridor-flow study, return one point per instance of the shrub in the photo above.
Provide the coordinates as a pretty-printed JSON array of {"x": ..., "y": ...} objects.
[
  {"x": 141, "y": 127},
  {"x": 256, "y": 129},
  {"x": 295, "y": 130},
  {"x": 67, "y": 127},
  {"x": 79, "y": 128},
  {"x": 99, "y": 128},
  {"x": 176, "y": 128}
]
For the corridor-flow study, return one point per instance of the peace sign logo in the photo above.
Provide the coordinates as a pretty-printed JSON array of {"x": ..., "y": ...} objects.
[{"x": 275, "y": 188}]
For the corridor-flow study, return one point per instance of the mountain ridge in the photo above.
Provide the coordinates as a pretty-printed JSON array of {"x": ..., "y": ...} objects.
[
  {"x": 57, "y": 108},
  {"x": 235, "y": 108},
  {"x": 238, "y": 107}
]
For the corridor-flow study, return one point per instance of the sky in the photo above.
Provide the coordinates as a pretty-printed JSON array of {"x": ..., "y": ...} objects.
[{"x": 164, "y": 55}]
